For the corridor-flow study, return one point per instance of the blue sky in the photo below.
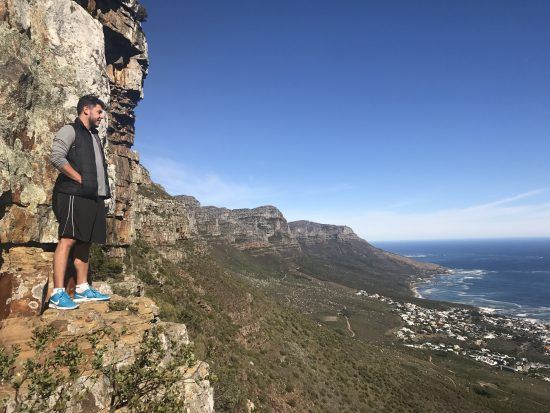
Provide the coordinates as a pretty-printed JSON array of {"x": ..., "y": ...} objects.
[{"x": 403, "y": 119}]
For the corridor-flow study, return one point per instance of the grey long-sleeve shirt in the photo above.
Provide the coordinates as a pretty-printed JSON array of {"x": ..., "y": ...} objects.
[{"x": 62, "y": 142}]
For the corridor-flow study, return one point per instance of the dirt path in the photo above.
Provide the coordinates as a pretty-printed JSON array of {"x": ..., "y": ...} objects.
[{"x": 349, "y": 327}]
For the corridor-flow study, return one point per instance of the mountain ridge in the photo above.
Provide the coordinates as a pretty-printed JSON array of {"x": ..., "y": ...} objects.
[{"x": 264, "y": 230}]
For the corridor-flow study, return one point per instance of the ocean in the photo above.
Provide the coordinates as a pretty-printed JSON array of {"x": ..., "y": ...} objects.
[{"x": 507, "y": 276}]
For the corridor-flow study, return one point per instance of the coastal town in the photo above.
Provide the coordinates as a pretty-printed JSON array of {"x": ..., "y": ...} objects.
[{"x": 508, "y": 343}]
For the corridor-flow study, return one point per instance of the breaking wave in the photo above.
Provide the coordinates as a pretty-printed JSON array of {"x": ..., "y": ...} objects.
[{"x": 462, "y": 286}]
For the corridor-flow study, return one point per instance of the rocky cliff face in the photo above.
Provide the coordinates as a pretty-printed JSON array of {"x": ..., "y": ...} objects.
[
  {"x": 163, "y": 220},
  {"x": 258, "y": 229},
  {"x": 51, "y": 53},
  {"x": 308, "y": 232}
]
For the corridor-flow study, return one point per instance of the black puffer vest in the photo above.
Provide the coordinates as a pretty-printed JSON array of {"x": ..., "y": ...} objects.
[{"x": 81, "y": 156}]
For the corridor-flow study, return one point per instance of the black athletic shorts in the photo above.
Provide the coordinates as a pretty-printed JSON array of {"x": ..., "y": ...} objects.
[{"x": 80, "y": 218}]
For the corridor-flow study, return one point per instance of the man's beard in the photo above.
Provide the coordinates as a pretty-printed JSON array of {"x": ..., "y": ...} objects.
[{"x": 95, "y": 122}]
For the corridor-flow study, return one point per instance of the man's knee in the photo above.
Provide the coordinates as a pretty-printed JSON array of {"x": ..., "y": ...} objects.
[{"x": 66, "y": 242}]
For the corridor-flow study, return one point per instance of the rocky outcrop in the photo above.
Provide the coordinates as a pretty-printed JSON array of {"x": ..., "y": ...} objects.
[
  {"x": 308, "y": 232},
  {"x": 127, "y": 319},
  {"x": 126, "y": 63},
  {"x": 163, "y": 220},
  {"x": 259, "y": 229}
]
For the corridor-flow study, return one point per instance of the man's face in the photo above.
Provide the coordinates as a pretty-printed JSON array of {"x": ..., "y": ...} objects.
[{"x": 95, "y": 115}]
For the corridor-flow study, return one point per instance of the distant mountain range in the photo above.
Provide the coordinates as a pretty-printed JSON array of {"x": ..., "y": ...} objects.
[{"x": 330, "y": 252}]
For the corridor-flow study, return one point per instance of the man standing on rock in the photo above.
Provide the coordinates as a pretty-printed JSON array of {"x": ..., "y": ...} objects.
[{"x": 78, "y": 200}]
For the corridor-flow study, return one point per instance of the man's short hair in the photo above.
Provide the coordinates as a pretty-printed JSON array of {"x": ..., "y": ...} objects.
[{"x": 89, "y": 100}]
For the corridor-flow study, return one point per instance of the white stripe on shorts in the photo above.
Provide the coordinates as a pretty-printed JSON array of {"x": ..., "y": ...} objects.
[
  {"x": 72, "y": 213},
  {"x": 69, "y": 212}
]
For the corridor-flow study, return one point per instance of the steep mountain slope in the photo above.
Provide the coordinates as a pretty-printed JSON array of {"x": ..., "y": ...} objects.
[
  {"x": 266, "y": 334},
  {"x": 274, "y": 307},
  {"x": 330, "y": 252},
  {"x": 336, "y": 253}
]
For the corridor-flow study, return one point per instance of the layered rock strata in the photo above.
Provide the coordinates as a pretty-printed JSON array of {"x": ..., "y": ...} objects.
[
  {"x": 308, "y": 232},
  {"x": 163, "y": 220},
  {"x": 52, "y": 52}
]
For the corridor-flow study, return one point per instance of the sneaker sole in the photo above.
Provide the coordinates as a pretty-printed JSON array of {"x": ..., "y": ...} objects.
[
  {"x": 85, "y": 300},
  {"x": 58, "y": 307}
]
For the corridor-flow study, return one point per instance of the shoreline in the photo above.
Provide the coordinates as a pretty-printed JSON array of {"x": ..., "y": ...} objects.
[
  {"x": 413, "y": 286},
  {"x": 415, "y": 292},
  {"x": 418, "y": 279}
]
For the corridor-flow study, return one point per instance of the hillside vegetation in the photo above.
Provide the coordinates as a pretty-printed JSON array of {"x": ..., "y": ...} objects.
[{"x": 277, "y": 336}]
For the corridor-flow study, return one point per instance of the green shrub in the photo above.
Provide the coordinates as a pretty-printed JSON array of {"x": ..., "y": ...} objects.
[
  {"x": 47, "y": 382},
  {"x": 122, "y": 305},
  {"x": 102, "y": 266}
]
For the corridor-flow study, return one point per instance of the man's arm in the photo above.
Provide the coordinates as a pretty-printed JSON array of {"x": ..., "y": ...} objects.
[
  {"x": 60, "y": 148},
  {"x": 68, "y": 170}
]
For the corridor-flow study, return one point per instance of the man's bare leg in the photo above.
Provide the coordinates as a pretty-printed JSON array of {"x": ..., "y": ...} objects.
[
  {"x": 59, "y": 298},
  {"x": 60, "y": 260},
  {"x": 84, "y": 291},
  {"x": 81, "y": 255}
]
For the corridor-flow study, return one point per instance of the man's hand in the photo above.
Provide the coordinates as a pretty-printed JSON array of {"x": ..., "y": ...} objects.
[{"x": 68, "y": 170}]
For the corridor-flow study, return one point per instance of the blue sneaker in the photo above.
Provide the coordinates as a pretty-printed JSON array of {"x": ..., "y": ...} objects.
[
  {"x": 62, "y": 301},
  {"x": 90, "y": 295}
]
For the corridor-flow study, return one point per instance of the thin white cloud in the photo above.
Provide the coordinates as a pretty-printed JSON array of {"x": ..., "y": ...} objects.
[
  {"x": 495, "y": 219},
  {"x": 212, "y": 189},
  {"x": 209, "y": 189},
  {"x": 510, "y": 199}
]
